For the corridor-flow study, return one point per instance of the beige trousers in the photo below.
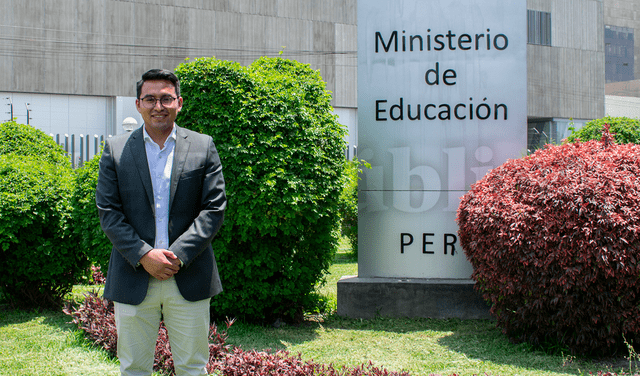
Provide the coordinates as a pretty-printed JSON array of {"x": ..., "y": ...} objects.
[{"x": 187, "y": 325}]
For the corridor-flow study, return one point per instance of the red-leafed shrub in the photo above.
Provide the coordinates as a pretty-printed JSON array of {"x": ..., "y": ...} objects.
[
  {"x": 97, "y": 277},
  {"x": 554, "y": 240},
  {"x": 242, "y": 363},
  {"x": 96, "y": 318}
]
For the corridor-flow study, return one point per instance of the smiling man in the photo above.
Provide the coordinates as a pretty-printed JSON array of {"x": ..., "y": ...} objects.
[{"x": 161, "y": 200}]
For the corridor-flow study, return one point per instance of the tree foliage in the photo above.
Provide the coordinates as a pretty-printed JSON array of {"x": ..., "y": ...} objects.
[
  {"x": 282, "y": 153},
  {"x": 554, "y": 240}
]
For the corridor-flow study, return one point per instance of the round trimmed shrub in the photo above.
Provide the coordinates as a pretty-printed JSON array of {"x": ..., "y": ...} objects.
[
  {"x": 23, "y": 139},
  {"x": 41, "y": 260},
  {"x": 282, "y": 153},
  {"x": 625, "y": 130},
  {"x": 554, "y": 240}
]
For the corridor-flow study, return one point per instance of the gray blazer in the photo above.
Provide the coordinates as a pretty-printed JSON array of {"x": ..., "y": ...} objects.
[{"x": 124, "y": 196}]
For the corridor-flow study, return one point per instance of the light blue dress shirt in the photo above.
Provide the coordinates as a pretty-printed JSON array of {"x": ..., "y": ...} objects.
[{"x": 160, "y": 164}]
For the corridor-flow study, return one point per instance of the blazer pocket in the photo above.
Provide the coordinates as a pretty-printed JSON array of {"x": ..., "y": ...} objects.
[{"x": 192, "y": 173}]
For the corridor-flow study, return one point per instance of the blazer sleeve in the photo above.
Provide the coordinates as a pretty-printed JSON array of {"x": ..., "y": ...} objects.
[
  {"x": 209, "y": 218},
  {"x": 113, "y": 220}
]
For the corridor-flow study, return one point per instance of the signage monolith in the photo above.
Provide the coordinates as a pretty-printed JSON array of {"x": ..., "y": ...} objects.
[{"x": 442, "y": 97}]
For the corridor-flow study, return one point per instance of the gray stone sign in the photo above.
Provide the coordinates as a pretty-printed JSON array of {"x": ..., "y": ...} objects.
[{"x": 442, "y": 95}]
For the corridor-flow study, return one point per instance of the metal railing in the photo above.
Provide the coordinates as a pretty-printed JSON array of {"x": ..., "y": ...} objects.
[{"x": 79, "y": 149}]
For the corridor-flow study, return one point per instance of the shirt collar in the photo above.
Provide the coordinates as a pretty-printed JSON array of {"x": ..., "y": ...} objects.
[{"x": 147, "y": 138}]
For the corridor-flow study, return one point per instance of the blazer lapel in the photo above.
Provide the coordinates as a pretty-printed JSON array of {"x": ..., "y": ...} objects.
[
  {"x": 140, "y": 157},
  {"x": 180, "y": 153}
]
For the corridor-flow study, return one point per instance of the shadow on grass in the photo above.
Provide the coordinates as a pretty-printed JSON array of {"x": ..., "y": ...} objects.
[
  {"x": 491, "y": 345},
  {"x": 250, "y": 336},
  {"x": 482, "y": 340},
  {"x": 475, "y": 339},
  {"x": 36, "y": 320},
  {"x": 345, "y": 258},
  {"x": 9, "y": 316}
]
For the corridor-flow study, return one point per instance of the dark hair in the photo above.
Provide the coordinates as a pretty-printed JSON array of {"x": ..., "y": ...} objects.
[{"x": 158, "y": 74}]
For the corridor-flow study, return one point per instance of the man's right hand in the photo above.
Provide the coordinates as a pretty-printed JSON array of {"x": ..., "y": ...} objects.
[{"x": 160, "y": 263}]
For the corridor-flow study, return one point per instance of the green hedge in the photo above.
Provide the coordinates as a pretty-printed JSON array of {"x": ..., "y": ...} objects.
[
  {"x": 282, "y": 151},
  {"x": 86, "y": 222},
  {"x": 349, "y": 202},
  {"x": 41, "y": 259},
  {"x": 625, "y": 130}
]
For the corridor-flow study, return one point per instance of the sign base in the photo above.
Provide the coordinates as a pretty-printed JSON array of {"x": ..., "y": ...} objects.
[{"x": 392, "y": 297}]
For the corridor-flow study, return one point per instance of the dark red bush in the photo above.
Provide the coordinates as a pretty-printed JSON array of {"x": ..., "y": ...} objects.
[{"x": 554, "y": 240}]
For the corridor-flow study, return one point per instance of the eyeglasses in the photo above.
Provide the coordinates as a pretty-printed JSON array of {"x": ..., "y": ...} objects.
[{"x": 150, "y": 101}]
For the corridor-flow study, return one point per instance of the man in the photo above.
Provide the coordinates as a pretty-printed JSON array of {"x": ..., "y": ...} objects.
[{"x": 161, "y": 200}]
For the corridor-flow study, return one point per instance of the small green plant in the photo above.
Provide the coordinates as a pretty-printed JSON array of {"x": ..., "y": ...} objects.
[
  {"x": 633, "y": 356},
  {"x": 21, "y": 139}
]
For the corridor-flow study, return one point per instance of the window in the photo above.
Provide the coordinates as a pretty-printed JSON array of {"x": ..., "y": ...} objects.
[
  {"x": 539, "y": 27},
  {"x": 618, "y": 53}
]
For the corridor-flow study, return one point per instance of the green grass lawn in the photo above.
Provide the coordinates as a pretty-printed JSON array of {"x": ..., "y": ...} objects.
[{"x": 43, "y": 343}]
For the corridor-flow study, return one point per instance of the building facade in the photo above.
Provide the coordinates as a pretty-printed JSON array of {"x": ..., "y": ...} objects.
[
  {"x": 70, "y": 66},
  {"x": 622, "y": 43},
  {"x": 565, "y": 72},
  {"x": 622, "y": 49}
]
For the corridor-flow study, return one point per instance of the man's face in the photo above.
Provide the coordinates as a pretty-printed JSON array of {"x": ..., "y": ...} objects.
[{"x": 158, "y": 117}]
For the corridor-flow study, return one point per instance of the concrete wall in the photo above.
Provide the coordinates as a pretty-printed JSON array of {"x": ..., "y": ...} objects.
[
  {"x": 101, "y": 47},
  {"x": 623, "y": 106},
  {"x": 626, "y": 13},
  {"x": 566, "y": 79}
]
